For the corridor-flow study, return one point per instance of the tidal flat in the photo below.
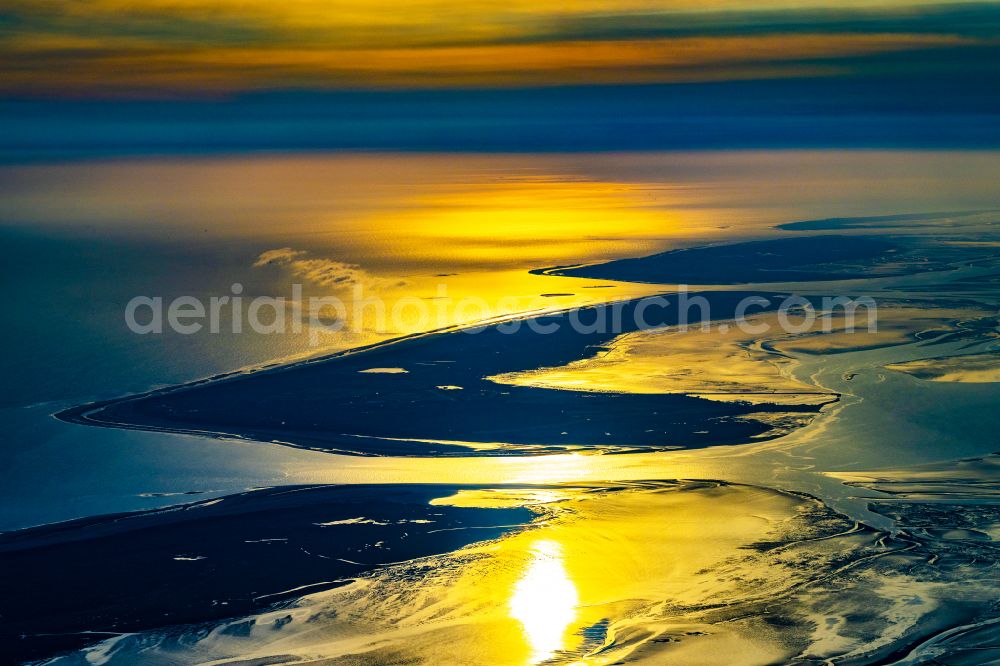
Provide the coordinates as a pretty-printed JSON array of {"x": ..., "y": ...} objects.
[{"x": 805, "y": 496}]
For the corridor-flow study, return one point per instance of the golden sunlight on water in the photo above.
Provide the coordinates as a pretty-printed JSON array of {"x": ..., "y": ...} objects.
[
  {"x": 714, "y": 364},
  {"x": 603, "y": 574},
  {"x": 623, "y": 563},
  {"x": 461, "y": 248},
  {"x": 544, "y": 600},
  {"x": 442, "y": 240},
  {"x": 603, "y": 564},
  {"x": 538, "y": 220}
]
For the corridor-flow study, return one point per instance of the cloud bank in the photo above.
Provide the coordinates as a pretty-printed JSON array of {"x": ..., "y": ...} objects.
[
  {"x": 323, "y": 272},
  {"x": 218, "y": 47}
]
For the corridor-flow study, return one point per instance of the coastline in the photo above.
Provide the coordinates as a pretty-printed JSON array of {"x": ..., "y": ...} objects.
[{"x": 452, "y": 357}]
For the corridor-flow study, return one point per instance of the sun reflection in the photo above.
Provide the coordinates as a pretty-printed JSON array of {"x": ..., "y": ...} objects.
[{"x": 544, "y": 601}]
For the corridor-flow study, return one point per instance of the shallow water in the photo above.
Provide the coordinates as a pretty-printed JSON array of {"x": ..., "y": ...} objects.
[
  {"x": 179, "y": 226},
  {"x": 854, "y": 573}
]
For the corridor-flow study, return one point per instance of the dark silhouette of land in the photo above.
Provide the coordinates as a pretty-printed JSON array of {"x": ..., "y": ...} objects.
[
  {"x": 68, "y": 585},
  {"x": 332, "y": 404}
]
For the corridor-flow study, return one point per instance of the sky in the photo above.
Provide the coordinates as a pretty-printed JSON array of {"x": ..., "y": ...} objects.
[{"x": 426, "y": 62}]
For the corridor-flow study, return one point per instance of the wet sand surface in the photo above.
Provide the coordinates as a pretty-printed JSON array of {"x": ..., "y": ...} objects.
[
  {"x": 620, "y": 572},
  {"x": 69, "y": 584},
  {"x": 857, "y": 527}
]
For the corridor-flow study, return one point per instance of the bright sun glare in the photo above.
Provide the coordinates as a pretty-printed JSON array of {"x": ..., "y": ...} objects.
[{"x": 544, "y": 601}]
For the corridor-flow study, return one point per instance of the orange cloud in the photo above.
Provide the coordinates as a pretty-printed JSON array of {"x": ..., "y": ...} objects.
[{"x": 129, "y": 64}]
